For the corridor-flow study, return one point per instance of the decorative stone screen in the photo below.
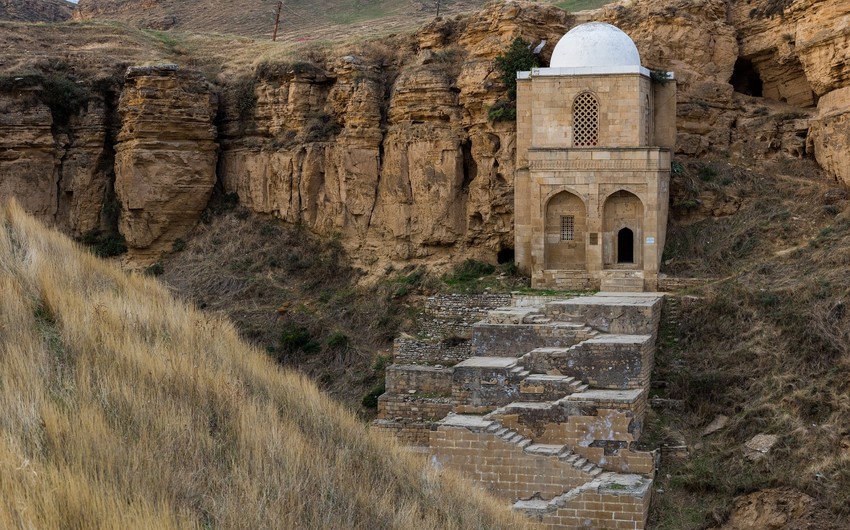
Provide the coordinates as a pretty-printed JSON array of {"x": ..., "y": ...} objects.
[
  {"x": 585, "y": 120},
  {"x": 567, "y": 227}
]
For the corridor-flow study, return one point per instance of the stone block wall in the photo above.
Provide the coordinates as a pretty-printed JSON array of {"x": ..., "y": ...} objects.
[
  {"x": 400, "y": 379},
  {"x": 411, "y": 433},
  {"x": 408, "y": 350},
  {"x": 610, "y": 313},
  {"x": 478, "y": 389},
  {"x": 608, "y": 361},
  {"x": 602, "y": 509},
  {"x": 452, "y": 315},
  {"x": 510, "y": 340},
  {"x": 503, "y": 467},
  {"x": 413, "y": 408}
]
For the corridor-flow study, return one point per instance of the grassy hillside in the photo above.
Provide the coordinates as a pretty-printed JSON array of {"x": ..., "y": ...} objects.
[
  {"x": 300, "y": 21},
  {"x": 120, "y": 408},
  {"x": 767, "y": 343},
  {"x": 35, "y": 10}
]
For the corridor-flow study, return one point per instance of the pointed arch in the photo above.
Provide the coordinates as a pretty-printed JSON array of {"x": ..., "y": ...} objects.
[
  {"x": 622, "y": 226},
  {"x": 565, "y": 232}
]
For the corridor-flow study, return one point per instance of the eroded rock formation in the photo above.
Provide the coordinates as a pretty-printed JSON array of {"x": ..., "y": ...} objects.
[
  {"x": 389, "y": 145},
  {"x": 165, "y": 158},
  {"x": 60, "y": 172}
]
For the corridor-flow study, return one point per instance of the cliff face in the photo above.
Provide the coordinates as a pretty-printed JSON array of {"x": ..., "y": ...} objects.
[
  {"x": 391, "y": 149},
  {"x": 60, "y": 172},
  {"x": 389, "y": 146},
  {"x": 165, "y": 157}
]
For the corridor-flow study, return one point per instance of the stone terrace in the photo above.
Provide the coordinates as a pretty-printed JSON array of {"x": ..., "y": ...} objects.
[{"x": 541, "y": 402}]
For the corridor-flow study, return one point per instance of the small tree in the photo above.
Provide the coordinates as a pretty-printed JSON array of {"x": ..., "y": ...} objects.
[{"x": 517, "y": 58}]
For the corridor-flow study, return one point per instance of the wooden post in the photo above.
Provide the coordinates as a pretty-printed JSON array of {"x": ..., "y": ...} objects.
[
  {"x": 277, "y": 20},
  {"x": 438, "y": 8}
]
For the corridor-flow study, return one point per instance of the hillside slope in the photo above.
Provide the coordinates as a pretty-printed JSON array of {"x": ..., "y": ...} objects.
[
  {"x": 35, "y": 10},
  {"x": 300, "y": 19},
  {"x": 120, "y": 408}
]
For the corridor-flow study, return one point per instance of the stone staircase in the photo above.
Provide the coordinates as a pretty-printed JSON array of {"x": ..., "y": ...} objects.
[
  {"x": 546, "y": 411},
  {"x": 623, "y": 281}
]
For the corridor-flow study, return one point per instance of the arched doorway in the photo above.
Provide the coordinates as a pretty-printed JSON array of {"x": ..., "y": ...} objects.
[
  {"x": 622, "y": 231},
  {"x": 625, "y": 246},
  {"x": 564, "y": 236}
]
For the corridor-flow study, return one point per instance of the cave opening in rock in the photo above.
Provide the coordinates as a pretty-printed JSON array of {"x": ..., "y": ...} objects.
[
  {"x": 746, "y": 78},
  {"x": 505, "y": 255}
]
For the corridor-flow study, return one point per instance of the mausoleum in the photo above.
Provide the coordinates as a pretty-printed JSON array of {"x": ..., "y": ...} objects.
[{"x": 595, "y": 132}]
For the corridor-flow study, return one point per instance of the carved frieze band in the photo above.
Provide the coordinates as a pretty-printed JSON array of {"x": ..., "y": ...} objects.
[{"x": 577, "y": 165}]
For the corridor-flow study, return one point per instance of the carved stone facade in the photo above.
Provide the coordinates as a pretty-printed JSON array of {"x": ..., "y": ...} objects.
[{"x": 594, "y": 140}]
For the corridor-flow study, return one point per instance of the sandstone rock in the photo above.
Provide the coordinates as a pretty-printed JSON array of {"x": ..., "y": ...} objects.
[
  {"x": 60, "y": 176},
  {"x": 759, "y": 445},
  {"x": 165, "y": 157},
  {"x": 28, "y": 157},
  {"x": 775, "y": 509},
  {"x": 830, "y": 134},
  {"x": 718, "y": 423}
]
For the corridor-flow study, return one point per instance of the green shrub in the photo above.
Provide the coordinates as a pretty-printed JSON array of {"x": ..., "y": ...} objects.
[
  {"x": 245, "y": 96},
  {"x": 370, "y": 400},
  {"x": 295, "y": 339},
  {"x": 470, "y": 270},
  {"x": 338, "y": 340},
  {"x": 517, "y": 58},
  {"x": 155, "y": 270},
  {"x": 104, "y": 245},
  {"x": 178, "y": 245},
  {"x": 502, "y": 111}
]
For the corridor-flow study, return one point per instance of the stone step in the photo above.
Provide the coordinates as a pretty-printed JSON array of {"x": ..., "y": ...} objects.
[
  {"x": 488, "y": 362},
  {"x": 544, "y": 449}
]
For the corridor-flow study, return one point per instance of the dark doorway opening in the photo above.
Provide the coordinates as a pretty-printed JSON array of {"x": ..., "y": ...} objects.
[
  {"x": 746, "y": 79},
  {"x": 625, "y": 246},
  {"x": 505, "y": 255}
]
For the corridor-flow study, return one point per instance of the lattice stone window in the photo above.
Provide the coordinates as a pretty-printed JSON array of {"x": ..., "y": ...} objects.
[
  {"x": 585, "y": 120},
  {"x": 568, "y": 223}
]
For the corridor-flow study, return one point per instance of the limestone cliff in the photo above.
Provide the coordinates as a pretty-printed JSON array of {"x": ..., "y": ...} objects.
[
  {"x": 392, "y": 150},
  {"x": 388, "y": 143},
  {"x": 58, "y": 166},
  {"x": 165, "y": 157}
]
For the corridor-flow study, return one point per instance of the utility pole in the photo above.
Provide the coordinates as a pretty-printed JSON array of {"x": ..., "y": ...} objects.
[
  {"x": 438, "y": 8},
  {"x": 277, "y": 20}
]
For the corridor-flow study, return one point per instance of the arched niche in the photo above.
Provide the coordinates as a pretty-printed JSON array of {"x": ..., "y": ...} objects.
[
  {"x": 622, "y": 223},
  {"x": 565, "y": 232}
]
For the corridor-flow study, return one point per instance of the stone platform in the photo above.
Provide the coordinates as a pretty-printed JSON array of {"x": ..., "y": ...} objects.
[{"x": 544, "y": 409}]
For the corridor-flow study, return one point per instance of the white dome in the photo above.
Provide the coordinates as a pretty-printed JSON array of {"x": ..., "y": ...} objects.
[{"x": 595, "y": 44}]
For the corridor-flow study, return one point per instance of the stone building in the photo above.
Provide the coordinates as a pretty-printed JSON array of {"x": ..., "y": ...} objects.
[{"x": 595, "y": 132}]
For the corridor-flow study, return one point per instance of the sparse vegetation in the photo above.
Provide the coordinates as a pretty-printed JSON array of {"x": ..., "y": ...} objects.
[
  {"x": 767, "y": 346},
  {"x": 472, "y": 276},
  {"x": 518, "y": 57},
  {"x": 120, "y": 407},
  {"x": 104, "y": 244}
]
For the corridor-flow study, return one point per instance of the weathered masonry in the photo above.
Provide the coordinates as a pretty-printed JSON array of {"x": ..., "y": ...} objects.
[
  {"x": 594, "y": 137},
  {"x": 541, "y": 402}
]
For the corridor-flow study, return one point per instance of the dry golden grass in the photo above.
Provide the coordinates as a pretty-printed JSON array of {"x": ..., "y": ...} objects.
[{"x": 121, "y": 408}]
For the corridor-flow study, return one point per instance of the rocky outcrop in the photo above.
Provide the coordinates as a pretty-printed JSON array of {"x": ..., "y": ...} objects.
[
  {"x": 830, "y": 133},
  {"x": 390, "y": 146},
  {"x": 392, "y": 151},
  {"x": 165, "y": 158},
  {"x": 58, "y": 172}
]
